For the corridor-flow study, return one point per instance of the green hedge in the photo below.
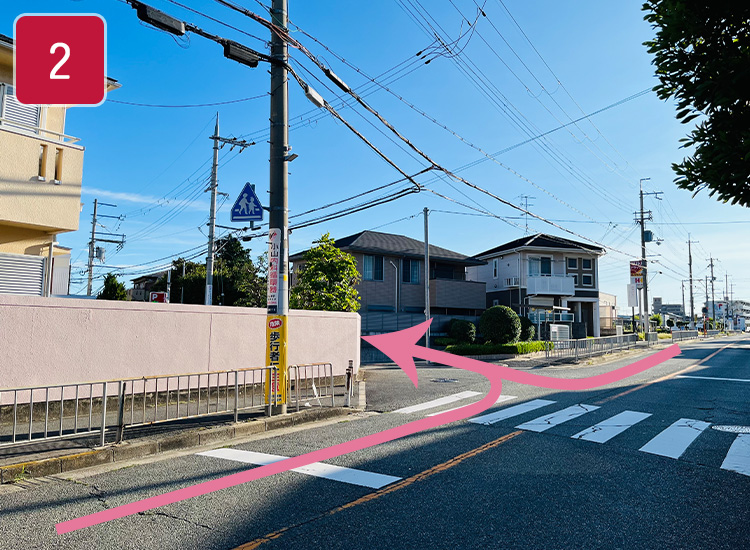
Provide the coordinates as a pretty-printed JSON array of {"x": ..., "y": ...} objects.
[
  {"x": 518, "y": 348},
  {"x": 444, "y": 341}
]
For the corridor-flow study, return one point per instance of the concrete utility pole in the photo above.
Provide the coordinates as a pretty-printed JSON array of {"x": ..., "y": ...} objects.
[
  {"x": 278, "y": 291},
  {"x": 646, "y": 322},
  {"x": 690, "y": 265},
  {"x": 212, "y": 220},
  {"x": 182, "y": 284},
  {"x": 726, "y": 298},
  {"x": 682, "y": 283},
  {"x": 525, "y": 202},
  {"x": 426, "y": 275},
  {"x": 91, "y": 249},
  {"x": 169, "y": 285},
  {"x": 713, "y": 298}
]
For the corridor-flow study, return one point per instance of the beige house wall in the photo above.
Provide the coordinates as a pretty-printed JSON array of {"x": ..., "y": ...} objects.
[
  {"x": 55, "y": 340},
  {"x": 35, "y": 204}
]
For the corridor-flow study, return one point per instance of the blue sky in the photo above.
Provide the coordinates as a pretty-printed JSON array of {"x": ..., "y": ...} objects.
[{"x": 497, "y": 88}]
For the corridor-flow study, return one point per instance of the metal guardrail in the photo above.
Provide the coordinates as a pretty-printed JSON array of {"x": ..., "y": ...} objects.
[
  {"x": 310, "y": 384},
  {"x": 678, "y": 335},
  {"x": 44, "y": 413},
  {"x": 588, "y": 347}
]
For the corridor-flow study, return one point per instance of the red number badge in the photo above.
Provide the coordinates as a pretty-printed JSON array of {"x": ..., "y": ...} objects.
[{"x": 60, "y": 59}]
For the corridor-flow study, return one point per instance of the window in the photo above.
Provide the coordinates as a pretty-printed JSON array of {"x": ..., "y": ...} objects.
[
  {"x": 42, "y": 163},
  {"x": 587, "y": 263},
  {"x": 588, "y": 280},
  {"x": 58, "y": 165},
  {"x": 495, "y": 302},
  {"x": 540, "y": 266},
  {"x": 410, "y": 271},
  {"x": 373, "y": 268},
  {"x": 494, "y": 268},
  {"x": 572, "y": 263},
  {"x": 575, "y": 280}
]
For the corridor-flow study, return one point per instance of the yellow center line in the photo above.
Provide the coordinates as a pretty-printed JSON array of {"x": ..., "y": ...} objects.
[
  {"x": 384, "y": 491},
  {"x": 663, "y": 378}
]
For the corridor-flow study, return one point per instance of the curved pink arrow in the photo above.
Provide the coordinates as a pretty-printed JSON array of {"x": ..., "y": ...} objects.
[{"x": 402, "y": 348}]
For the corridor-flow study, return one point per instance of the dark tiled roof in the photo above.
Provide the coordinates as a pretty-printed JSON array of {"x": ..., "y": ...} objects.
[
  {"x": 542, "y": 240},
  {"x": 6, "y": 39},
  {"x": 396, "y": 245}
]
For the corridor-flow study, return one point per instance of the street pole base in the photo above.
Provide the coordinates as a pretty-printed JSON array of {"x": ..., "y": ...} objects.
[{"x": 274, "y": 410}]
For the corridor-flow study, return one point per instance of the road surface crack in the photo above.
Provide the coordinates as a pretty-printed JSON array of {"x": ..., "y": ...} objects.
[{"x": 170, "y": 516}]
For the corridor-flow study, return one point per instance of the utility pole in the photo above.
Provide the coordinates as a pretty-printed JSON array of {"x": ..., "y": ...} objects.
[
  {"x": 690, "y": 265},
  {"x": 212, "y": 220},
  {"x": 182, "y": 283},
  {"x": 705, "y": 327},
  {"x": 683, "y": 297},
  {"x": 525, "y": 202},
  {"x": 426, "y": 276},
  {"x": 643, "y": 217},
  {"x": 169, "y": 285},
  {"x": 278, "y": 294},
  {"x": 91, "y": 249},
  {"x": 726, "y": 298},
  {"x": 713, "y": 297}
]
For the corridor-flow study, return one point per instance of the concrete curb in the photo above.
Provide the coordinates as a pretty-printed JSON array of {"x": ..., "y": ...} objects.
[{"x": 141, "y": 448}]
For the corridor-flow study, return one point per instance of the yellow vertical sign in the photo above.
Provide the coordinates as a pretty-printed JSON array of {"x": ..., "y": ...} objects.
[{"x": 276, "y": 337}]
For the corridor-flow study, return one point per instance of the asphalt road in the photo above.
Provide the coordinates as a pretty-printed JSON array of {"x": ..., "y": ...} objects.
[{"x": 464, "y": 485}]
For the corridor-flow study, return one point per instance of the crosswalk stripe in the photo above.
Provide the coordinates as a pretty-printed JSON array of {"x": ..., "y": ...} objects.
[
  {"x": 316, "y": 469},
  {"x": 510, "y": 412},
  {"x": 551, "y": 420},
  {"x": 500, "y": 399},
  {"x": 738, "y": 457},
  {"x": 438, "y": 402},
  {"x": 675, "y": 440},
  {"x": 607, "y": 429}
]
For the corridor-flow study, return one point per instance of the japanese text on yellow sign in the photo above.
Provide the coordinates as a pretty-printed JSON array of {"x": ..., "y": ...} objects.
[{"x": 276, "y": 337}]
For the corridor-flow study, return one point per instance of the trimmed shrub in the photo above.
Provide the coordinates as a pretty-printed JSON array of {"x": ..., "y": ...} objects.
[
  {"x": 528, "y": 330},
  {"x": 462, "y": 331},
  {"x": 500, "y": 325},
  {"x": 518, "y": 348},
  {"x": 444, "y": 341}
]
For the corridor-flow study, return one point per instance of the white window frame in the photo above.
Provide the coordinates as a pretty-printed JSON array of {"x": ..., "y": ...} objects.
[
  {"x": 591, "y": 264},
  {"x": 494, "y": 268},
  {"x": 575, "y": 263},
  {"x": 583, "y": 280}
]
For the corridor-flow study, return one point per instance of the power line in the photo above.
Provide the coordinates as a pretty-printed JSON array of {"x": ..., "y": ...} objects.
[{"x": 189, "y": 106}]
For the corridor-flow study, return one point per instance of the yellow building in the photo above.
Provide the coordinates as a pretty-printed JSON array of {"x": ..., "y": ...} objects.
[{"x": 41, "y": 169}]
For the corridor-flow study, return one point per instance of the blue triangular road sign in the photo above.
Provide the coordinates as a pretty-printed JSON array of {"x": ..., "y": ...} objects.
[{"x": 247, "y": 207}]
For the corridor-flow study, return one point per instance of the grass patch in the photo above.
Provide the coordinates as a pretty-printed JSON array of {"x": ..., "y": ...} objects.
[{"x": 518, "y": 348}]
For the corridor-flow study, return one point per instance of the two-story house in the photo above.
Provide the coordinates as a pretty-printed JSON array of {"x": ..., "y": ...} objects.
[
  {"x": 393, "y": 276},
  {"x": 41, "y": 169},
  {"x": 549, "y": 279}
]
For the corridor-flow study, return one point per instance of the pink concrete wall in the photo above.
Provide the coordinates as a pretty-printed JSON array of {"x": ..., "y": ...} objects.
[{"x": 46, "y": 341}]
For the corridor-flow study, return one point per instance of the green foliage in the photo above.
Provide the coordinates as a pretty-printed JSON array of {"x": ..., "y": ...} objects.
[
  {"x": 528, "y": 330},
  {"x": 701, "y": 53},
  {"x": 670, "y": 323},
  {"x": 327, "y": 280},
  {"x": 444, "y": 341},
  {"x": 500, "y": 325},
  {"x": 238, "y": 281},
  {"x": 113, "y": 289},
  {"x": 518, "y": 348},
  {"x": 462, "y": 331},
  {"x": 657, "y": 319}
]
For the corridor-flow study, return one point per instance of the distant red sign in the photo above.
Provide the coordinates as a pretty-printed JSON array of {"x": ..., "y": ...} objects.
[{"x": 158, "y": 297}]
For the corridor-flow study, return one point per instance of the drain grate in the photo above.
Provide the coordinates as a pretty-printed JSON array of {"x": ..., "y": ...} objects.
[
  {"x": 733, "y": 429},
  {"x": 444, "y": 380}
]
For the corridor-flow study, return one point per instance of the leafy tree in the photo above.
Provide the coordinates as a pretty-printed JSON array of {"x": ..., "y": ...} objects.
[
  {"x": 528, "y": 330},
  {"x": 670, "y": 323},
  {"x": 462, "y": 331},
  {"x": 113, "y": 289},
  {"x": 327, "y": 279},
  {"x": 238, "y": 281},
  {"x": 701, "y": 53},
  {"x": 656, "y": 318},
  {"x": 500, "y": 325}
]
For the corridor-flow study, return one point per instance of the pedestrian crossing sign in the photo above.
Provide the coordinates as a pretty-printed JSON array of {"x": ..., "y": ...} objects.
[{"x": 247, "y": 207}]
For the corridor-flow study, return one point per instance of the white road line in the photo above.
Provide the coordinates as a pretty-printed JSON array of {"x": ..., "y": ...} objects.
[
  {"x": 551, "y": 420},
  {"x": 500, "y": 399},
  {"x": 607, "y": 429},
  {"x": 510, "y": 412},
  {"x": 675, "y": 440},
  {"x": 738, "y": 457},
  {"x": 713, "y": 378},
  {"x": 438, "y": 402},
  {"x": 317, "y": 469}
]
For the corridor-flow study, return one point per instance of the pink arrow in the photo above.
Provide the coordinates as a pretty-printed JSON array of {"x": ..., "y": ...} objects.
[{"x": 402, "y": 347}]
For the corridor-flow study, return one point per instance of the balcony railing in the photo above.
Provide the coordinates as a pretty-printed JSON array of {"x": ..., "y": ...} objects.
[
  {"x": 26, "y": 118},
  {"x": 557, "y": 285},
  {"x": 550, "y": 317}
]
